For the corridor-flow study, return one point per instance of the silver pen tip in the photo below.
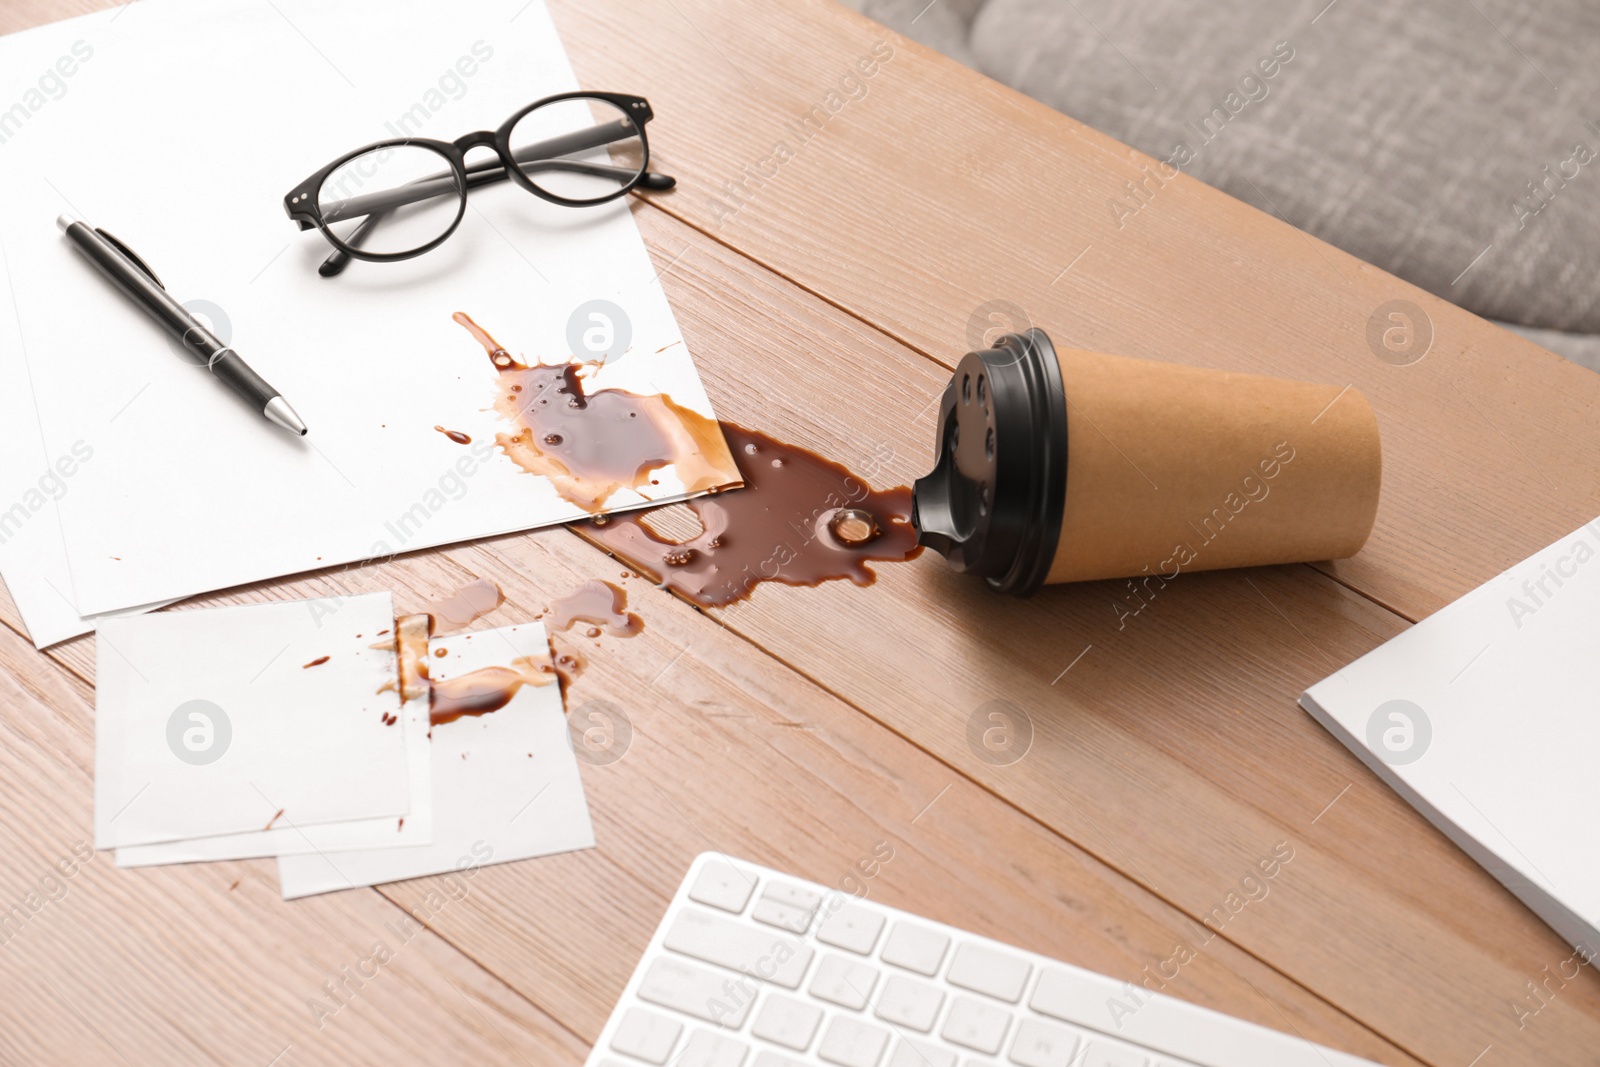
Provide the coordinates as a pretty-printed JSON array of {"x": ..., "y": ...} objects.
[
  {"x": 279, "y": 411},
  {"x": 65, "y": 222}
]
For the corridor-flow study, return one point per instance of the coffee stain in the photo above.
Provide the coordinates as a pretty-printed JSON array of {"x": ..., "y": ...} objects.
[
  {"x": 273, "y": 820},
  {"x": 467, "y": 604},
  {"x": 483, "y": 690},
  {"x": 319, "y": 661},
  {"x": 455, "y": 435},
  {"x": 411, "y": 640},
  {"x": 569, "y": 664},
  {"x": 801, "y": 520},
  {"x": 601, "y": 604},
  {"x": 591, "y": 445},
  {"x": 475, "y": 693}
]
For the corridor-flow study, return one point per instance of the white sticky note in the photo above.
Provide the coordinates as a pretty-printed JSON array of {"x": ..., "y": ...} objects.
[
  {"x": 506, "y": 784},
  {"x": 241, "y": 719}
]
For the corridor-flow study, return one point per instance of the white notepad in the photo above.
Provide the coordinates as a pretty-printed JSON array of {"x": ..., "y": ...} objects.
[
  {"x": 238, "y": 720},
  {"x": 505, "y": 783},
  {"x": 1486, "y": 717},
  {"x": 195, "y": 181}
]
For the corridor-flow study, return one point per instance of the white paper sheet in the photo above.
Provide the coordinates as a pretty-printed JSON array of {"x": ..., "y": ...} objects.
[
  {"x": 181, "y": 130},
  {"x": 1482, "y": 716},
  {"x": 506, "y": 784},
  {"x": 222, "y": 721},
  {"x": 415, "y": 827},
  {"x": 33, "y": 560}
]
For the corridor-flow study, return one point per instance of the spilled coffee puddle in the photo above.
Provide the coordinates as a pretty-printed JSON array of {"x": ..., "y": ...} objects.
[
  {"x": 467, "y": 604},
  {"x": 475, "y": 693},
  {"x": 603, "y": 606},
  {"x": 800, "y": 520},
  {"x": 592, "y": 444}
]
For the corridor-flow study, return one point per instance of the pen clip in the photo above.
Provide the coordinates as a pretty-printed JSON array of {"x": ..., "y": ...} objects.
[{"x": 133, "y": 257}]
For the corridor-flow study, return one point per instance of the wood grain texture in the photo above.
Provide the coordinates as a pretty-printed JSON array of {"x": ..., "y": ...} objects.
[
  {"x": 732, "y": 752},
  {"x": 204, "y": 963},
  {"x": 1131, "y": 757},
  {"x": 1173, "y": 749},
  {"x": 735, "y": 752},
  {"x": 1162, "y": 762},
  {"x": 928, "y": 191}
]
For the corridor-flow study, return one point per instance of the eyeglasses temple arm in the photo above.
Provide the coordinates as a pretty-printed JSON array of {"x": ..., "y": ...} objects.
[{"x": 440, "y": 184}]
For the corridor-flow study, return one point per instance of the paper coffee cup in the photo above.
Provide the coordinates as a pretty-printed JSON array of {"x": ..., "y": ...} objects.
[{"x": 1069, "y": 466}]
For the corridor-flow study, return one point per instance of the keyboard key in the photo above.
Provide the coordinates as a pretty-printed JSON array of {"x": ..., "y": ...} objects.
[
  {"x": 985, "y": 970},
  {"x": 852, "y": 1044},
  {"x": 916, "y": 948},
  {"x": 787, "y": 1022},
  {"x": 706, "y": 1049},
  {"x": 1068, "y": 997},
  {"x": 913, "y": 1053},
  {"x": 795, "y": 920},
  {"x": 796, "y": 896},
  {"x": 852, "y": 928},
  {"x": 680, "y": 986},
  {"x": 844, "y": 982},
  {"x": 907, "y": 1002},
  {"x": 646, "y": 1035},
  {"x": 790, "y": 907},
  {"x": 1043, "y": 1045},
  {"x": 977, "y": 1025},
  {"x": 722, "y": 885},
  {"x": 710, "y": 938}
]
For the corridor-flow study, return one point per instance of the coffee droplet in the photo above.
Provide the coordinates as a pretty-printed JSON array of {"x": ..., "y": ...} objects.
[
  {"x": 552, "y": 439},
  {"x": 853, "y": 527}
]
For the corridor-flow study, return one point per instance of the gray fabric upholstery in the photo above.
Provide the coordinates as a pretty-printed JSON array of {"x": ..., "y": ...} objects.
[{"x": 1403, "y": 133}]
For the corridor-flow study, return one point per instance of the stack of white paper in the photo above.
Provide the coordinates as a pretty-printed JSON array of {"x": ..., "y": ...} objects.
[
  {"x": 1484, "y": 717},
  {"x": 132, "y": 478},
  {"x": 286, "y": 730}
]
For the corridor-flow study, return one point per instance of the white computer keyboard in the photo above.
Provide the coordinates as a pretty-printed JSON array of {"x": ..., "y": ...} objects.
[{"x": 752, "y": 968}]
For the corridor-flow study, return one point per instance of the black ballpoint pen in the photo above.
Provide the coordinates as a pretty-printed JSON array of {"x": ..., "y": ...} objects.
[{"x": 139, "y": 283}]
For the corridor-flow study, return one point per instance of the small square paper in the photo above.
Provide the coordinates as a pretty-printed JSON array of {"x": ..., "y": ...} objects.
[
  {"x": 506, "y": 784},
  {"x": 244, "y": 719},
  {"x": 413, "y": 828}
]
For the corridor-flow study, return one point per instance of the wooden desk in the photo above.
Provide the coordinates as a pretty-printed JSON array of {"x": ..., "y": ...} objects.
[{"x": 825, "y": 298}]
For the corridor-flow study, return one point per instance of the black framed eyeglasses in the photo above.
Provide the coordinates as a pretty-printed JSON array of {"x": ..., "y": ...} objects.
[{"x": 396, "y": 199}]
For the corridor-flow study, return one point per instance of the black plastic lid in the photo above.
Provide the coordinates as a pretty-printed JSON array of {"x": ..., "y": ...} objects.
[{"x": 992, "y": 503}]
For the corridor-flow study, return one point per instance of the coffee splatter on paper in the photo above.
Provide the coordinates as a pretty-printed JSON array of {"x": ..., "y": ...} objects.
[{"x": 593, "y": 443}]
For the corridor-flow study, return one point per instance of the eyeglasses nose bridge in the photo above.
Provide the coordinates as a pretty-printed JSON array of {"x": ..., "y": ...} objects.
[{"x": 481, "y": 139}]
